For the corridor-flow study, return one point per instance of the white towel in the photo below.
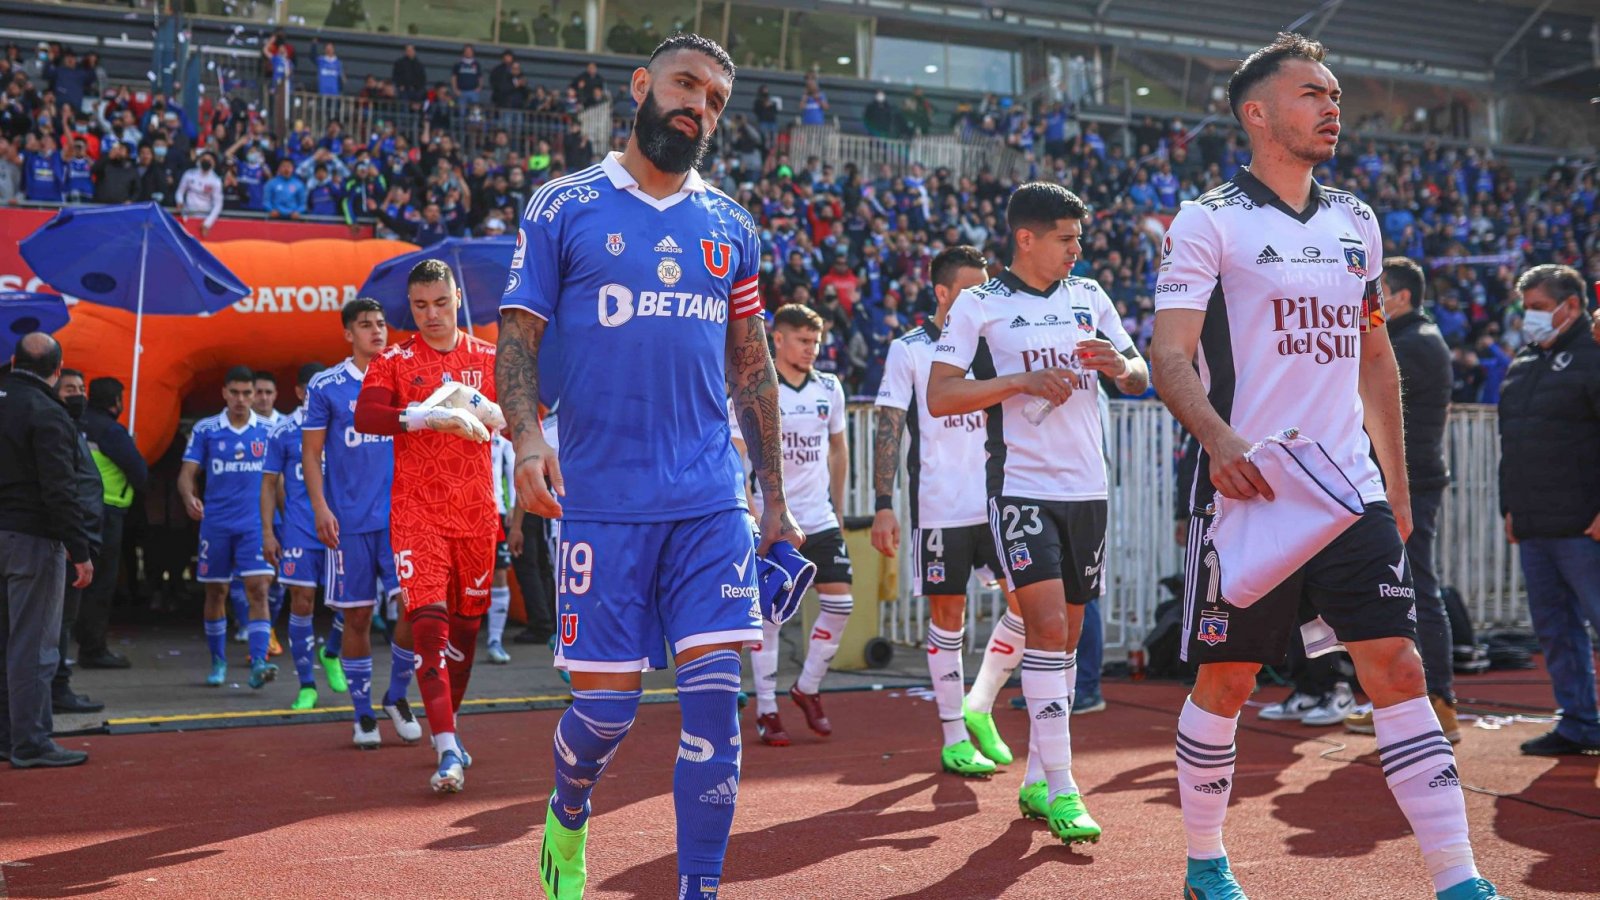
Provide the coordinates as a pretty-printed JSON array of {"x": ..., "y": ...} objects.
[{"x": 1260, "y": 543}]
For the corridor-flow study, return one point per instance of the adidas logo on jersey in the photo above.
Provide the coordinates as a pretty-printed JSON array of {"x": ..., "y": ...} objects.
[
  {"x": 1053, "y": 711},
  {"x": 1215, "y": 787},
  {"x": 1019, "y": 322},
  {"x": 1268, "y": 255},
  {"x": 1446, "y": 778},
  {"x": 668, "y": 245},
  {"x": 726, "y": 793}
]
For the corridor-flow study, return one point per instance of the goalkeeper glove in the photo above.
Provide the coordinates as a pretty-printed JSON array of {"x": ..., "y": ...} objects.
[
  {"x": 455, "y": 395},
  {"x": 449, "y": 421}
]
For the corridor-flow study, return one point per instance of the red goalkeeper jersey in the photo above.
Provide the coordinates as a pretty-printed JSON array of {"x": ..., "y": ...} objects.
[{"x": 442, "y": 483}]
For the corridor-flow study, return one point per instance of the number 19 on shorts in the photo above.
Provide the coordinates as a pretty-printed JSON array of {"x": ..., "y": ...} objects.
[{"x": 574, "y": 568}]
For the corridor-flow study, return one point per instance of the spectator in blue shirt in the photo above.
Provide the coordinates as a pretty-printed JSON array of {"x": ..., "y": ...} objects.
[
  {"x": 286, "y": 194},
  {"x": 814, "y": 104},
  {"x": 43, "y": 175},
  {"x": 252, "y": 175},
  {"x": 466, "y": 78},
  {"x": 70, "y": 81},
  {"x": 1166, "y": 185},
  {"x": 1450, "y": 318},
  {"x": 1494, "y": 361},
  {"x": 322, "y": 193},
  {"x": 1142, "y": 192},
  {"x": 78, "y": 169},
  {"x": 330, "y": 72}
]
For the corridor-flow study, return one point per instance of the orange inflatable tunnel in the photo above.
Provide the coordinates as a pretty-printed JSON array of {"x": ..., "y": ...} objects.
[{"x": 291, "y": 317}]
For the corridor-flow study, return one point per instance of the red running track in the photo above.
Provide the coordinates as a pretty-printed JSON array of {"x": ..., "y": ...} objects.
[{"x": 294, "y": 811}]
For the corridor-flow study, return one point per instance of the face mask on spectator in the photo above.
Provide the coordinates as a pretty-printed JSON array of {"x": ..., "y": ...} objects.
[
  {"x": 76, "y": 405},
  {"x": 205, "y": 165},
  {"x": 255, "y": 158},
  {"x": 160, "y": 152},
  {"x": 1538, "y": 325}
]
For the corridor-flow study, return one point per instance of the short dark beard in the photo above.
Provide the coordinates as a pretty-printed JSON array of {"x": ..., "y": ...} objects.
[{"x": 667, "y": 148}]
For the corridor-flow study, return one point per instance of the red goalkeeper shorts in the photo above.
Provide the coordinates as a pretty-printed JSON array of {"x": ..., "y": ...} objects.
[{"x": 449, "y": 569}]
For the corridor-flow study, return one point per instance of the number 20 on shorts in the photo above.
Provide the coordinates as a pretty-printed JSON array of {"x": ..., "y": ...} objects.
[{"x": 575, "y": 567}]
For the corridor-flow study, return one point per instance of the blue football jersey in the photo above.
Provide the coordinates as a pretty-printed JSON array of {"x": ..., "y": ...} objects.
[
  {"x": 231, "y": 459},
  {"x": 299, "y": 525},
  {"x": 357, "y": 468},
  {"x": 646, "y": 289}
]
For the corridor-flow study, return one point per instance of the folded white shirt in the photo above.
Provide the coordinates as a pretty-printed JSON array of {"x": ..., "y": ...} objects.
[{"x": 1259, "y": 542}]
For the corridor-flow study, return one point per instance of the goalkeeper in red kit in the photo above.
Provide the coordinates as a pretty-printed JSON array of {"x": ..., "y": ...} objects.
[{"x": 435, "y": 393}]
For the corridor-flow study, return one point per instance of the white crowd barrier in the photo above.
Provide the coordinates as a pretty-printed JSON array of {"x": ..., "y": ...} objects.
[{"x": 1142, "y": 444}]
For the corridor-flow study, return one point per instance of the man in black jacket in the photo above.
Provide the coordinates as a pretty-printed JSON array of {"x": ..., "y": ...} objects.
[
  {"x": 1550, "y": 493},
  {"x": 116, "y": 178},
  {"x": 74, "y": 395},
  {"x": 122, "y": 471},
  {"x": 41, "y": 530},
  {"x": 1425, "y": 385},
  {"x": 410, "y": 78}
]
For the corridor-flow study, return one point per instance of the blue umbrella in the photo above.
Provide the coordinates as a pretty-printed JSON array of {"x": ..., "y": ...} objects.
[
  {"x": 480, "y": 266},
  {"x": 107, "y": 254},
  {"x": 24, "y": 312}
]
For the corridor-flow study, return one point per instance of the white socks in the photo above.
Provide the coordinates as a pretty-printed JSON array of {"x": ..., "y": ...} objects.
[
  {"x": 1000, "y": 659},
  {"x": 764, "y": 669},
  {"x": 499, "y": 608},
  {"x": 1205, "y": 777},
  {"x": 1420, "y": 767},
  {"x": 944, "y": 667},
  {"x": 1046, "y": 679},
  {"x": 825, "y": 636}
]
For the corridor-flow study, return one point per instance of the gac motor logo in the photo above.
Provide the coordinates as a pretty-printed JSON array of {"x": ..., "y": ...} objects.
[{"x": 1323, "y": 331}]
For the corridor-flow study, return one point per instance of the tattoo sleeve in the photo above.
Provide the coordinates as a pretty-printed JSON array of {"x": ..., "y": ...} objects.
[
  {"x": 886, "y": 449},
  {"x": 516, "y": 372},
  {"x": 753, "y": 386}
]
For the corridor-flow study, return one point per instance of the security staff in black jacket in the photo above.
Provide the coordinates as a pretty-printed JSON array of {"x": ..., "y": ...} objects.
[
  {"x": 1425, "y": 384},
  {"x": 41, "y": 537},
  {"x": 74, "y": 395},
  {"x": 1550, "y": 492}
]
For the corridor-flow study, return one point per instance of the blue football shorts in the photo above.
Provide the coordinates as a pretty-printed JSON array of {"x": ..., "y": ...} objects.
[
  {"x": 226, "y": 554},
  {"x": 356, "y": 570}
]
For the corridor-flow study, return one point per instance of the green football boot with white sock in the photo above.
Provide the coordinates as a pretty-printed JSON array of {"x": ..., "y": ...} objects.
[
  {"x": 980, "y": 725},
  {"x": 966, "y": 760},
  {"x": 1034, "y": 800},
  {"x": 1070, "y": 821}
]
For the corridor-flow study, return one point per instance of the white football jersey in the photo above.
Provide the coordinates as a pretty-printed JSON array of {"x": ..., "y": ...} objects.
[
  {"x": 502, "y": 468},
  {"x": 1287, "y": 297},
  {"x": 1003, "y": 327},
  {"x": 945, "y": 455},
  {"x": 813, "y": 411}
]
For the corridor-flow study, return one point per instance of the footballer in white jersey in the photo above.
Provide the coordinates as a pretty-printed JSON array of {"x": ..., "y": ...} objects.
[
  {"x": 950, "y": 539},
  {"x": 816, "y": 462},
  {"x": 1036, "y": 342},
  {"x": 1270, "y": 316}
]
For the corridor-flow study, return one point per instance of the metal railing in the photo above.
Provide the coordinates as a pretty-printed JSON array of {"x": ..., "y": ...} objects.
[
  {"x": 1142, "y": 441},
  {"x": 360, "y": 118},
  {"x": 966, "y": 155}
]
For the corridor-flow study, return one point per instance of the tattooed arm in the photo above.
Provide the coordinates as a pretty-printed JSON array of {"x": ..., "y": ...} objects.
[
  {"x": 753, "y": 385},
  {"x": 885, "y": 463},
  {"x": 516, "y": 376}
]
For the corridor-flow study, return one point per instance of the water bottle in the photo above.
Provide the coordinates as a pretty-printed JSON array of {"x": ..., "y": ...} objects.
[
  {"x": 1036, "y": 409},
  {"x": 1136, "y": 663}
]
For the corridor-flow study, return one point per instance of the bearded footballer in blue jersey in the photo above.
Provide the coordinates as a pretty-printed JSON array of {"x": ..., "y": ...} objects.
[{"x": 654, "y": 275}]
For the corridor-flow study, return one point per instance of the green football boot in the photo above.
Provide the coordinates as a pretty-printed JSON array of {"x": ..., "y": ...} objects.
[
  {"x": 306, "y": 699},
  {"x": 1071, "y": 822},
  {"x": 562, "y": 871},
  {"x": 987, "y": 738},
  {"x": 334, "y": 670},
  {"x": 1034, "y": 800},
  {"x": 965, "y": 760}
]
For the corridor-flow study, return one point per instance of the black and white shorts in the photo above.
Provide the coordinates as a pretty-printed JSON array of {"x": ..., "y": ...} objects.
[
  {"x": 827, "y": 550},
  {"x": 943, "y": 559},
  {"x": 1040, "y": 540},
  {"x": 1360, "y": 585}
]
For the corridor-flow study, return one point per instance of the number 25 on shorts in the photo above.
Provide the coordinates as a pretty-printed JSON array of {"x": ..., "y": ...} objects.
[{"x": 575, "y": 567}]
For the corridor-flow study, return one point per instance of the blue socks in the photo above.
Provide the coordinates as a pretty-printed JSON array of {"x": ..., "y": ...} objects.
[
  {"x": 302, "y": 644},
  {"x": 335, "y": 643},
  {"x": 259, "y": 631},
  {"x": 705, "y": 781},
  {"x": 401, "y": 664},
  {"x": 586, "y": 739},
  {"x": 217, "y": 638},
  {"x": 358, "y": 671}
]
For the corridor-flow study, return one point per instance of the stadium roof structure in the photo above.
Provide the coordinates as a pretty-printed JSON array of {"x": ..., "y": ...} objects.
[{"x": 1501, "y": 44}]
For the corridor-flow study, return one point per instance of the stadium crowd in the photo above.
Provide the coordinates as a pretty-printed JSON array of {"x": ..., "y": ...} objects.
[{"x": 855, "y": 245}]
